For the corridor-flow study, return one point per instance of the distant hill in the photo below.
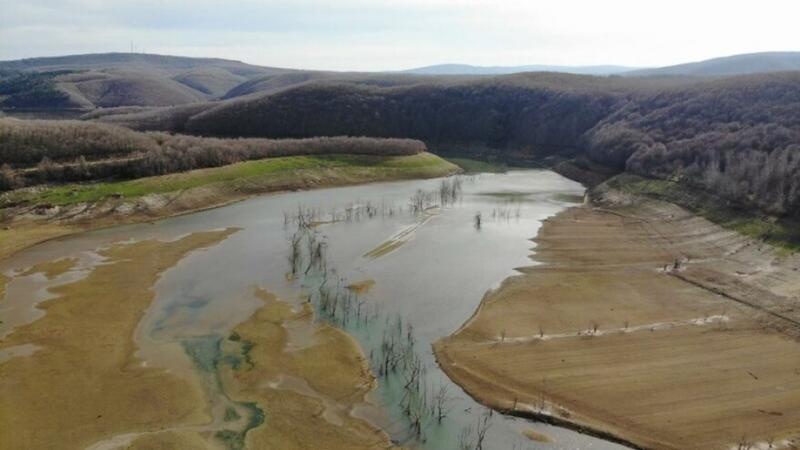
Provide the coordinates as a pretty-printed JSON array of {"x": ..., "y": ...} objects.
[
  {"x": 744, "y": 64},
  {"x": 121, "y": 79},
  {"x": 730, "y": 65},
  {"x": 466, "y": 69},
  {"x": 141, "y": 61},
  {"x": 270, "y": 84}
]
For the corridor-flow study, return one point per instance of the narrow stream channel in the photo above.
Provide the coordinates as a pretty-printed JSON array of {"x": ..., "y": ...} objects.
[{"x": 429, "y": 270}]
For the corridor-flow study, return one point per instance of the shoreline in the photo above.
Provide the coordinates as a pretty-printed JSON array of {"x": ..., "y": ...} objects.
[
  {"x": 690, "y": 273},
  {"x": 329, "y": 378},
  {"x": 111, "y": 212},
  {"x": 338, "y": 346},
  {"x": 82, "y": 337},
  {"x": 254, "y": 353},
  {"x": 540, "y": 417},
  {"x": 471, "y": 355}
]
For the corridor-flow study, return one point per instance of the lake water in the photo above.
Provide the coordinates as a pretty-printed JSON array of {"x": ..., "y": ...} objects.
[{"x": 439, "y": 267}]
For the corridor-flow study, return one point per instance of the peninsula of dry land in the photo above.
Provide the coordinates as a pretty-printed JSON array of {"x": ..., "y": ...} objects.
[{"x": 644, "y": 324}]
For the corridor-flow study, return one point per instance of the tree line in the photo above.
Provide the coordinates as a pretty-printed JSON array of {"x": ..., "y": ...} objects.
[
  {"x": 34, "y": 152},
  {"x": 31, "y": 90}
]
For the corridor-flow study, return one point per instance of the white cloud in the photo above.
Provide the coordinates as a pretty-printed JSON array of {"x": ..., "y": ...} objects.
[{"x": 393, "y": 34}]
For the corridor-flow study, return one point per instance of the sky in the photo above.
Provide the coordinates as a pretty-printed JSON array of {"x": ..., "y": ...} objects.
[{"x": 401, "y": 34}]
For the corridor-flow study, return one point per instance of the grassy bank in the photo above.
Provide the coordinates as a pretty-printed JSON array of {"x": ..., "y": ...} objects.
[
  {"x": 249, "y": 175},
  {"x": 35, "y": 215},
  {"x": 781, "y": 232},
  {"x": 38, "y": 152},
  {"x": 478, "y": 166}
]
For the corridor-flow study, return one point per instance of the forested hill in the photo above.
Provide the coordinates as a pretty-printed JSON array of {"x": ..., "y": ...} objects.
[
  {"x": 120, "y": 79},
  {"x": 109, "y": 80},
  {"x": 738, "y": 137}
]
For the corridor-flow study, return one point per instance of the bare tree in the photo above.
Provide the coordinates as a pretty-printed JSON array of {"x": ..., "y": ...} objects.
[
  {"x": 295, "y": 258},
  {"x": 8, "y": 178},
  {"x": 440, "y": 401},
  {"x": 743, "y": 444},
  {"x": 484, "y": 423},
  {"x": 465, "y": 439}
]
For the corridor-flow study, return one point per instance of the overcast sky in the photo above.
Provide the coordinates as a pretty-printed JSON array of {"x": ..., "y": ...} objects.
[{"x": 399, "y": 34}]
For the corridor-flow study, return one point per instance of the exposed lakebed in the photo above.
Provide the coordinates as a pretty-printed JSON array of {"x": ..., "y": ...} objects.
[{"x": 428, "y": 269}]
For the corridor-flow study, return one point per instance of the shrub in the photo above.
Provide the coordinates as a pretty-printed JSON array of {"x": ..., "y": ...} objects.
[{"x": 8, "y": 178}]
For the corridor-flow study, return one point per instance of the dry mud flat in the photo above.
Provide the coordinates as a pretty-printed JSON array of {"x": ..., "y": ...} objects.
[
  {"x": 608, "y": 336},
  {"x": 310, "y": 392},
  {"x": 83, "y": 383},
  {"x": 72, "y": 379}
]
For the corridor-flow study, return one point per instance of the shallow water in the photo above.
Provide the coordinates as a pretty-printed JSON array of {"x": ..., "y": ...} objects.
[{"x": 439, "y": 267}]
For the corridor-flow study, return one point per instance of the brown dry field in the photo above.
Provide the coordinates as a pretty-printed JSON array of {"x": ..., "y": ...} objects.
[
  {"x": 602, "y": 337},
  {"x": 84, "y": 383}
]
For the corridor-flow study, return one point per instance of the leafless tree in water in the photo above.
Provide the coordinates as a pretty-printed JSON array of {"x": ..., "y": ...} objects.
[
  {"x": 440, "y": 401},
  {"x": 484, "y": 423}
]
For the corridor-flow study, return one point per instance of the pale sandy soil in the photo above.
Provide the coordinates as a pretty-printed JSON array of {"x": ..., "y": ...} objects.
[
  {"x": 83, "y": 383},
  {"x": 361, "y": 287},
  {"x": 52, "y": 269},
  {"x": 536, "y": 436},
  {"x": 309, "y": 394},
  {"x": 173, "y": 440},
  {"x": 26, "y": 233},
  {"x": 83, "y": 386},
  {"x": 602, "y": 337}
]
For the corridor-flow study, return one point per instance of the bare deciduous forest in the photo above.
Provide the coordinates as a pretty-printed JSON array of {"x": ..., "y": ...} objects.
[
  {"x": 738, "y": 137},
  {"x": 58, "y": 151}
]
